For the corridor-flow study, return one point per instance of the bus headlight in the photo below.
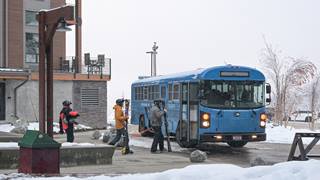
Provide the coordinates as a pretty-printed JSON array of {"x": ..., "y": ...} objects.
[
  {"x": 205, "y": 124},
  {"x": 263, "y": 124},
  {"x": 205, "y": 120},
  {"x": 263, "y": 117},
  {"x": 263, "y": 120}
]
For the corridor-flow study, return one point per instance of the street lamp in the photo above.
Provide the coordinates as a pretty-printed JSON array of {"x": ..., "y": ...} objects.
[
  {"x": 49, "y": 22},
  {"x": 153, "y": 59}
]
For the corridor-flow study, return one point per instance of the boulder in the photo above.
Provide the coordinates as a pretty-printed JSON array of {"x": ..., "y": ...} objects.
[
  {"x": 96, "y": 135},
  {"x": 198, "y": 156},
  {"x": 19, "y": 130},
  {"x": 258, "y": 162},
  {"x": 21, "y": 126}
]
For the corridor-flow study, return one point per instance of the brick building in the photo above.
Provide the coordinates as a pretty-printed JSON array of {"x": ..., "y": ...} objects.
[{"x": 19, "y": 55}]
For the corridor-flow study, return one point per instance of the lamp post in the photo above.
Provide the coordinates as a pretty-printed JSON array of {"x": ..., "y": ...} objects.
[
  {"x": 153, "y": 59},
  {"x": 49, "y": 22}
]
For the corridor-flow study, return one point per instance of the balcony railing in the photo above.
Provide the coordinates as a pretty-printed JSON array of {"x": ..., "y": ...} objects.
[{"x": 98, "y": 66}]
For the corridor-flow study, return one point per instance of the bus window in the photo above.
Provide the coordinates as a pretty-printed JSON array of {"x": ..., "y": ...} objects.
[
  {"x": 234, "y": 94},
  {"x": 170, "y": 92},
  {"x": 150, "y": 89},
  {"x": 176, "y": 91},
  {"x": 163, "y": 92},
  {"x": 145, "y": 93}
]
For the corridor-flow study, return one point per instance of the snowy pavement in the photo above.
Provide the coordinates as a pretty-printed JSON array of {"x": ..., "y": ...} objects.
[{"x": 308, "y": 170}]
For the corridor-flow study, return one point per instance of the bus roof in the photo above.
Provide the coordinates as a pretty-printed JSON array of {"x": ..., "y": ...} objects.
[{"x": 227, "y": 72}]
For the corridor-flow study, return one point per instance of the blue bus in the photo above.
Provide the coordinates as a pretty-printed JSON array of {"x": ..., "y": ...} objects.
[{"x": 218, "y": 104}]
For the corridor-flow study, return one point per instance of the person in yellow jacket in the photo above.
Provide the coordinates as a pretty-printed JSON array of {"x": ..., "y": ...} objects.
[{"x": 121, "y": 119}]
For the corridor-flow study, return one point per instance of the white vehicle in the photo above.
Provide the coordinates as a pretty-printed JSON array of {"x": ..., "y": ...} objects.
[{"x": 304, "y": 116}]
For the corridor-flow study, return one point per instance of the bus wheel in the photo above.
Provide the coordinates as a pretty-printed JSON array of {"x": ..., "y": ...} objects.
[
  {"x": 182, "y": 141},
  {"x": 237, "y": 144}
]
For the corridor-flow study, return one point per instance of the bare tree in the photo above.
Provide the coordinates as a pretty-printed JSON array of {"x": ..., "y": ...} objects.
[
  {"x": 314, "y": 100},
  {"x": 285, "y": 74}
]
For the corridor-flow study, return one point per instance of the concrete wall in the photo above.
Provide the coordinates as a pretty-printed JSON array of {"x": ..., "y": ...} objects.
[
  {"x": 94, "y": 116},
  {"x": 28, "y": 99}
]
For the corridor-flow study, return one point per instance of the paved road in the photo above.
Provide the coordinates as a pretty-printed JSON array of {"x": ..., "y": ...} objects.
[{"x": 142, "y": 161}]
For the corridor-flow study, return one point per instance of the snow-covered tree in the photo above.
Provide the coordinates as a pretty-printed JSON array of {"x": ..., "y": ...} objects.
[{"x": 285, "y": 74}]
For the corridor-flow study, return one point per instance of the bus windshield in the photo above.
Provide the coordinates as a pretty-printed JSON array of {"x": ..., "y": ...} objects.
[{"x": 232, "y": 94}]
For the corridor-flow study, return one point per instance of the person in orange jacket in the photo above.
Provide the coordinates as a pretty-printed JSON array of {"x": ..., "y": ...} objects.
[{"x": 121, "y": 119}]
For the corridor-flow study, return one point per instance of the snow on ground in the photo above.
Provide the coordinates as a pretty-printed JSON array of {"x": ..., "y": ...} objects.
[
  {"x": 280, "y": 134},
  {"x": 35, "y": 126},
  {"x": 6, "y": 127},
  {"x": 294, "y": 170}
]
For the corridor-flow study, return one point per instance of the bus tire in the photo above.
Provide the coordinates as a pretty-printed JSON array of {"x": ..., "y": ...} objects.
[
  {"x": 183, "y": 142},
  {"x": 237, "y": 144}
]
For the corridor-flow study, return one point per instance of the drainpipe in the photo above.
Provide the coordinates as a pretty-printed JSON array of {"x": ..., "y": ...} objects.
[{"x": 15, "y": 96}]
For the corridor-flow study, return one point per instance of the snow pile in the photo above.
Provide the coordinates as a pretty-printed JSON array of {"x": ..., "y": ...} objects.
[
  {"x": 67, "y": 144},
  {"x": 8, "y": 144},
  {"x": 6, "y": 127},
  {"x": 35, "y": 126},
  {"x": 307, "y": 170},
  {"x": 280, "y": 134}
]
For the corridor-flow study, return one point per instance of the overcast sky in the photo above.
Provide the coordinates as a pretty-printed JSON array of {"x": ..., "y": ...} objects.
[{"x": 194, "y": 34}]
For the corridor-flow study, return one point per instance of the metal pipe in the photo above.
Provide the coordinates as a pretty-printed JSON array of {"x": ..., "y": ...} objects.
[
  {"x": 78, "y": 36},
  {"x": 49, "y": 54},
  {"x": 42, "y": 71},
  {"x": 15, "y": 97}
]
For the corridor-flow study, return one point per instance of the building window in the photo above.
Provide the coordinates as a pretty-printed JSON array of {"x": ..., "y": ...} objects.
[
  {"x": 31, "y": 18},
  {"x": 32, "y": 48}
]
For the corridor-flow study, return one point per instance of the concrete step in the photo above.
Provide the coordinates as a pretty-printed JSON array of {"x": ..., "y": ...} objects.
[
  {"x": 9, "y": 137},
  {"x": 69, "y": 156}
]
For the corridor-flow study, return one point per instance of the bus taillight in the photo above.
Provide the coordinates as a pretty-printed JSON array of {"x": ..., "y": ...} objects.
[
  {"x": 205, "y": 120},
  {"x": 263, "y": 120}
]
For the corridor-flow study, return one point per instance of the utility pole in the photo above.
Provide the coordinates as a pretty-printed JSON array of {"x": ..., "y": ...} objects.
[
  {"x": 153, "y": 59},
  {"x": 78, "y": 53}
]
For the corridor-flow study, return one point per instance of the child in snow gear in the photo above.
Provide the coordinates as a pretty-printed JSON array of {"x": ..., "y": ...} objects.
[
  {"x": 120, "y": 122},
  {"x": 156, "y": 121},
  {"x": 66, "y": 106},
  {"x": 67, "y": 117}
]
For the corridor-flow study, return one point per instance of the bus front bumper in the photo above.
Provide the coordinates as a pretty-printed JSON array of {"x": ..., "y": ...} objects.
[{"x": 249, "y": 137}]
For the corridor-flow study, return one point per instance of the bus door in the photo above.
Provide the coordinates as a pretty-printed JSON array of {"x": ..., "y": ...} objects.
[{"x": 189, "y": 112}]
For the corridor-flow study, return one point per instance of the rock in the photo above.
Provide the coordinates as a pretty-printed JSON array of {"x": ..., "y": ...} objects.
[
  {"x": 21, "y": 126},
  {"x": 258, "y": 162},
  {"x": 198, "y": 156},
  {"x": 19, "y": 130},
  {"x": 96, "y": 135},
  {"x": 107, "y": 137}
]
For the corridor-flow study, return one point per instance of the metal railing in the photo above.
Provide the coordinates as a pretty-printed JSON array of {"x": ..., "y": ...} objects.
[{"x": 91, "y": 66}]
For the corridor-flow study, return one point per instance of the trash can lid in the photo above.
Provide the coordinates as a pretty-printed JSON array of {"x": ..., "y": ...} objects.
[{"x": 36, "y": 139}]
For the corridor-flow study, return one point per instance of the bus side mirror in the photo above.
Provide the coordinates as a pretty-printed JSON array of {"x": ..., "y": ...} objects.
[{"x": 268, "y": 89}]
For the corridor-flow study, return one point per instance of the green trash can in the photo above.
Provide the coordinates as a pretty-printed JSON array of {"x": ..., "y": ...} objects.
[{"x": 39, "y": 154}]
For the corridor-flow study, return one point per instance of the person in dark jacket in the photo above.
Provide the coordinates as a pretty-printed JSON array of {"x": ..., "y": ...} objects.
[
  {"x": 66, "y": 122},
  {"x": 156, "y": 122}
]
